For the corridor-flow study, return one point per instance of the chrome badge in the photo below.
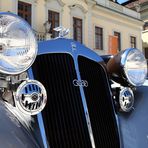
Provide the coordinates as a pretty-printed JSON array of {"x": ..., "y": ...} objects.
[
  {"x": 82, "y": 83},
  {"x": 31, "y": 97}
]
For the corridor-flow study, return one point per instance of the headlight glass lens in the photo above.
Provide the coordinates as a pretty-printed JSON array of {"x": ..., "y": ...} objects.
[
  {"x": 18, "y": 46},
  {"x": 135, "y": 67}
]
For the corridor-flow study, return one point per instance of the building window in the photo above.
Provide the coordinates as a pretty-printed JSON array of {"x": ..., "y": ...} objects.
[
  {"x": 99, "y": 38},
  {"x": 133, "y": 41},
  {"x": 77, "y": 29},
  {"x": 113, "y": 1},
  {"x": 117, "y": 34},
  {"x": 146, "y": 53},
  {"x": 145, "y": 27},
  {"x": 53, "y": 18},
  {"x": 24, "y": 11}
]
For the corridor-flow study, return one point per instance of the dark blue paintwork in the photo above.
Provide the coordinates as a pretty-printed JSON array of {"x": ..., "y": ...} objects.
[
  {"x": 134, "y": 125},
  {"x": 13, "y": 134},
  {"x": 62, "y": 45}
]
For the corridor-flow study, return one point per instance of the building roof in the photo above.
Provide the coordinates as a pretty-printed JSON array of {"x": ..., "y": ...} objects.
[{"x": 133, "y": 1}]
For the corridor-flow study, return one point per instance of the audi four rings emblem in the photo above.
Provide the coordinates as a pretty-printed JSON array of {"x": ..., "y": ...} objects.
[{"x": 82, "y": 83}]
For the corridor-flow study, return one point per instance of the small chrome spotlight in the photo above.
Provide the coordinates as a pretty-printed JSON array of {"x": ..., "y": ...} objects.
[
  {"x": 31, "y": 97},
  {"x": 126, "y": 99}
]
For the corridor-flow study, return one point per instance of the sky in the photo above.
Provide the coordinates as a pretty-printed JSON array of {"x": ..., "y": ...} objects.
[{"x": 122, "y": 1}]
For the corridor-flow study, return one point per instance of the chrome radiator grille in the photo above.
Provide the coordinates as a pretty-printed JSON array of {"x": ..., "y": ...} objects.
[
  {"x": 64, "y": 117},
  {"x": 99, "y": 104}
]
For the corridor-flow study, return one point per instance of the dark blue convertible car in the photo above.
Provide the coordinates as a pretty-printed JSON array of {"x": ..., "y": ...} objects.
[{"x": 64, "y": 95}]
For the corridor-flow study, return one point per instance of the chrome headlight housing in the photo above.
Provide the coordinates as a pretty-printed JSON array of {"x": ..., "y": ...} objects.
[
  {"x": 18, "y": 46},
  {"x": 135, "y": 66},
  {"x": 128, "y": 66}
]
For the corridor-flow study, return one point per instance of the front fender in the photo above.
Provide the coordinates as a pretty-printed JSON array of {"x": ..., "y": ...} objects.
[
  {"x": 134, "y": 125},
  {"x": 13, "y": 134}
]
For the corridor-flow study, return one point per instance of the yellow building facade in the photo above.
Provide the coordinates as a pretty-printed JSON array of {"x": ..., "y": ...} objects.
[
  {"x": 109, "y": 16},
  {"x": 142, "y": 7},
  {"x": 144, "y": 17}
]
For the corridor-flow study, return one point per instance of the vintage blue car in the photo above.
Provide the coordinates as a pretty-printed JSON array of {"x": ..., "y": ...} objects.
[{"x": 64, "y": 95}]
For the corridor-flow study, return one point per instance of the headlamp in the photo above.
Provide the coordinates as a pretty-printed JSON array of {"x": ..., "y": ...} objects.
[
  {"x": 18, "y": 46},
  {"x": 135, "y": 66},
  {"x": 128, "y": 66},
  {"x": 31, "y": 97}
]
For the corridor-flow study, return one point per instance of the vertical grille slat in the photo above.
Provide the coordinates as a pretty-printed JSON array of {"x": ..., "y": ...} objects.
[
  {"x": 63, "y": 116},
  {"x": 99, "y": 104}
]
